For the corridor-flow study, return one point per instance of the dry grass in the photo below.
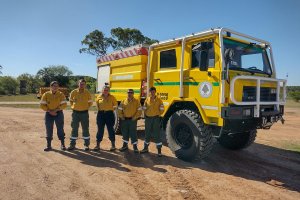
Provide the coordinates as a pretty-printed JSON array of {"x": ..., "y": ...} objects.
[{"x": 20, "y": 98}]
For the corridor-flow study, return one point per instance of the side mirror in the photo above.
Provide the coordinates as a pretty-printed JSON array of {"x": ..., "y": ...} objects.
[{"x": 229, "y": 54}]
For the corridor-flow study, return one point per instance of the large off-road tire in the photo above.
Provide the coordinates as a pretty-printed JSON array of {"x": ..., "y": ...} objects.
[
  {"x": 238, "y": 141},
  {"x": 117, "y": 127},
  {"x": 187, "y": 136}
]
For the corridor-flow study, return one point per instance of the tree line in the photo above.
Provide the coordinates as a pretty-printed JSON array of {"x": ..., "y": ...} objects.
[
  {"x": 293, "y": 92},
  {"x": 32, "y": 83}
]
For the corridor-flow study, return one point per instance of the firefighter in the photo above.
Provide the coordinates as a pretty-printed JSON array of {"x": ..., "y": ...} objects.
[
  {"x": 153, "y": 108},
  {"x": 106, "y": 104},
  {"x": 129, "y": 111},
  {"x": 81, "y": 101},
  {"x": 53, "y": 102}
]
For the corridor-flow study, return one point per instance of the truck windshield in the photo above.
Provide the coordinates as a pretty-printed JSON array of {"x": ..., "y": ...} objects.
[{"x": 247, "y": 57}]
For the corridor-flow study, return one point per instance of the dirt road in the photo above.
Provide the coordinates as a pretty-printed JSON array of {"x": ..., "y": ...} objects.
[{"x": 263, "y": 171}]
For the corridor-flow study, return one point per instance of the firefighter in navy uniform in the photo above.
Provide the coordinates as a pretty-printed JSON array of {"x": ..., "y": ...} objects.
[
  {"x": 129, "y": 111},
  {"x": 106, "y": 104},
  {"x": 81, "y": 101},
  {"x": 153, "y": 108},
  {"x": 53, "y": 102}
]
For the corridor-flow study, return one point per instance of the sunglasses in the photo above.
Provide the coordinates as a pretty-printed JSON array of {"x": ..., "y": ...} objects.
[{"x": 130, "y": 92}]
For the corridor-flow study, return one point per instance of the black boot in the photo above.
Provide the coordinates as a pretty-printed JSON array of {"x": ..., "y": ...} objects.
[
  {"x": 124, "y": 147},
  {"x": 97, "y": 147},
  {"x": 159, "y": 151},
  {"x": 62, "y": 146},
  {"x": 113, "y": 146},
  {"x": 72, "y": 145},
  {"x": 145, "y": 149},
  {"x": 86, "y": 145},
  {"x": 135, "y": 149},
  {"x": 48, "y": 148}
]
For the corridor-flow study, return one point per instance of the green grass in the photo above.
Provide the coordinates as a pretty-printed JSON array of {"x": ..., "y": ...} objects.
[
  {"x": 20, "y": 105},
  {"x": 21, "y": 98},
  {"x": 292, "y": 104},
  {"x": 32, "y": 98},
  {"x": 24, "y": 98}
]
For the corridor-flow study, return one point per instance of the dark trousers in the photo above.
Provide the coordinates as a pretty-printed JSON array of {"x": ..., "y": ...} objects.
[
  {"x": 59, "y": 122},
  {"x": 152, "y": 129},
  {"x": 105, "y": 118},
  {"x": 128, "y": 129},
  {"x": 80, "y": 117}
]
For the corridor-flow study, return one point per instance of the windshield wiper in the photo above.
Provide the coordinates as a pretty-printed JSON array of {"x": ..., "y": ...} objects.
[
  {"x": 241, "y": 69},
  {"x": 257, "y": 70}
]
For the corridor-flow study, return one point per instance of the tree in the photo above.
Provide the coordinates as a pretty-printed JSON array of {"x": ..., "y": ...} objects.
[
  {"x": 58, "y": 73},
  {"x": 8, "y": 85},
  {"x": 97, "y": 44},
  {"x": 122, "y": 38},
  {"x": 1, "y": 69},
  {"x": 32, "y": 82},
  {"x": 90, "y": 83},
  {"x": 295, "y": 95}
]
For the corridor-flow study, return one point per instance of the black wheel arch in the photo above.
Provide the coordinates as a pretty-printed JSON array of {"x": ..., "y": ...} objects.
[{"x": 176, "y": 106}]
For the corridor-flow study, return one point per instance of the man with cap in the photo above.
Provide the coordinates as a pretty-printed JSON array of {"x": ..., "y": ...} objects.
[
  {"x": 129, "y": 111},
  {"x": 81, "y": 101},
  {"x": 53, "y": 102},
  {"x": 153, "y": 108}
]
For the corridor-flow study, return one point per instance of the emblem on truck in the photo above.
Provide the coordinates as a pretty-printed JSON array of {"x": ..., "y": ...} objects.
[{"x": 205, "y": 89}]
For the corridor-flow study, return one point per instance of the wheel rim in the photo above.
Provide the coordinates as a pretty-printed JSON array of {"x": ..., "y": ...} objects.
[{"x": 183, "y": 136}]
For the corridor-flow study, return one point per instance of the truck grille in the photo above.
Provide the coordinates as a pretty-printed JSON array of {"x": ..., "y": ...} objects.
[{"x": 266, "y": 94}]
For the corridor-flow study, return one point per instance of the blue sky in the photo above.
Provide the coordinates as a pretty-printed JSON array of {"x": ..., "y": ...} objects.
[{"x": 38, "y": 33}]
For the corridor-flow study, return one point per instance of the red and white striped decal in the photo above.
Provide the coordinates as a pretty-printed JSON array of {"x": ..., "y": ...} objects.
[{"x": 123, "y": 54}]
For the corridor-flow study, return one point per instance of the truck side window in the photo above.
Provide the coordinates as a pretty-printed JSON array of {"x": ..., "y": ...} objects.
[
  {"x": 168, "y": 59},
  {"x": 196, "y": 49}
]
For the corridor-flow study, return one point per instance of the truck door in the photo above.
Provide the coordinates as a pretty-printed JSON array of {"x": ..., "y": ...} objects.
[
  {"x": 166, "y": 72},
  {"x": 204, "y": 76}
]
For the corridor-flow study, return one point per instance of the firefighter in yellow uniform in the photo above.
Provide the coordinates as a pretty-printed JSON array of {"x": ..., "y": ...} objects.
[
  {"x": 81, "y": 101},
  {"x": 53, "y": 102},
  {"x": 153, "y": 108},
  {"x": 129, "y": 111},
  {"x": 106, "y": 104}
]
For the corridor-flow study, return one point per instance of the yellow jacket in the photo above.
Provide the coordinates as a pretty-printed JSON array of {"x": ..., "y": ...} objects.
[
  {"x": 153, "y": 107},
  {"x": 50, "y": 101},
  {"x": 80, "y": 101},
  {"x": 130, "y": 109},
  {"x": 106, "y": 104}
]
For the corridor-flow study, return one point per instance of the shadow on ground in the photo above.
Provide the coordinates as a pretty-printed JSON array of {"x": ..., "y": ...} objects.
[{"x": 259, "y": 162}]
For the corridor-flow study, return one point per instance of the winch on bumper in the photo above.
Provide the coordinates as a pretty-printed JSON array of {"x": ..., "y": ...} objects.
[
  {"x": 259, "y": 108},
  {"x": 241, "y": 118}
]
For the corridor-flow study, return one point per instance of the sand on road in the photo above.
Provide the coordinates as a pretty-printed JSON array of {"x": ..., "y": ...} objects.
[{"x": 263, "y": 171}]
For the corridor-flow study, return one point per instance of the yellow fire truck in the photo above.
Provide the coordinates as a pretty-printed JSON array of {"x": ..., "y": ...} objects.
[
  {"x": 42, "y": 90},
  {"x": 217, "y": 83}
]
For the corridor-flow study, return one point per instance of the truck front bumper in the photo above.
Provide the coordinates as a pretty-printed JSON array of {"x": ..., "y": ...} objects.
[{"x": 241, "y": 118}]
